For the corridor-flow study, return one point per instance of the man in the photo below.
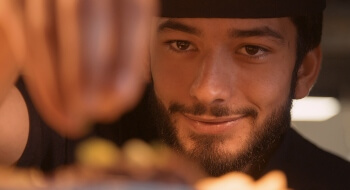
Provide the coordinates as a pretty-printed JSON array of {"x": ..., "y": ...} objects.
[{"x": 224, "y": 76}]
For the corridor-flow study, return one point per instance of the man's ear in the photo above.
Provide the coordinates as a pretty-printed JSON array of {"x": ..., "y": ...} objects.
[{"x": 308, "y": 72}]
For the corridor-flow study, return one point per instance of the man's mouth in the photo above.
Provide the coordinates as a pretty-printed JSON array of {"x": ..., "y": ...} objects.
[{"x": 212, "y": 125}]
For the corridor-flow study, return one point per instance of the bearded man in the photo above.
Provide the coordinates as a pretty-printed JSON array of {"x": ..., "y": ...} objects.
[{"x": 224, "y": 75}]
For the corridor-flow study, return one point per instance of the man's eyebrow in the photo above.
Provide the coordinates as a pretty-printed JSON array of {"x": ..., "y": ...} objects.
[
  {"x": 175, "y": 25},
  {"x": 256, "y": 32}
]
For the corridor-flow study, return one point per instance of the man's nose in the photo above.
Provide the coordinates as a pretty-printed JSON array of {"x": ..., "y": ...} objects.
[{"x": 212, "y": 84}]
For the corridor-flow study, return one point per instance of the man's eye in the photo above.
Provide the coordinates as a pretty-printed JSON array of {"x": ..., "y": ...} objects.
[
  {"x": 182, "y": 45},
  {"x": 254, "y": 51},
  {"x": 179, "y": 45}
]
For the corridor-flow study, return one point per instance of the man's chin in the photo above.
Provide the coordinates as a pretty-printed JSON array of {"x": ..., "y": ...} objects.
[
  {"x": 217, "y": 154},
  {"x": 219, "y": 143}
]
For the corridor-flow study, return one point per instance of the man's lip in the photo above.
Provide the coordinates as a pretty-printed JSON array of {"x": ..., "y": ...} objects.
[
  {"x": 213, "y": 120},
  {"x": 210, "y": 125}
]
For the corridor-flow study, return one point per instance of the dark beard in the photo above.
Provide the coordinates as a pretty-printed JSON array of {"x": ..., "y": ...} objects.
[{"x": 251, "y": 160}]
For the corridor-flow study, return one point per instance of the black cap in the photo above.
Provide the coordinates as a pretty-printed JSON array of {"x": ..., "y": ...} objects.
[{"x": 240, "y": 8}]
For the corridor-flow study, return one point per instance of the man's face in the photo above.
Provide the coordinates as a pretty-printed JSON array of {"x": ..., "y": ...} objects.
[{"x": 223, "y": 86}]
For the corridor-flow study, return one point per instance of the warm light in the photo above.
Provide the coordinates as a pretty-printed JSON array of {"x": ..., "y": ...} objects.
[{"x": 315, "y": 109}]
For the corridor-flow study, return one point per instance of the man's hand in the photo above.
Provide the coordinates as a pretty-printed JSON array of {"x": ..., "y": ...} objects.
[
  {"x": 82, "y": 60},
  {"x": 275, "y": 180}
]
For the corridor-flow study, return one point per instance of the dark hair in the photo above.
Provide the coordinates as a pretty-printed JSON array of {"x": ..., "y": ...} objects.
[{"x": 309, "y": 33}]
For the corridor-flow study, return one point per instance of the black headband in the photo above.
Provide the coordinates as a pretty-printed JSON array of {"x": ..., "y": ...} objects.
[{"x": 240, "y": 8}]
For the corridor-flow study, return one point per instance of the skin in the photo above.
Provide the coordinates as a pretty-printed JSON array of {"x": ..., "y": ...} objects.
[
  {"x": 226, "y": 78},
  {"x": 14, "y": 127}
]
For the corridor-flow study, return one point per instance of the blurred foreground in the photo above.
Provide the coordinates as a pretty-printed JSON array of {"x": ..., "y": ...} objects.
[{"x": 137, "y": 165}]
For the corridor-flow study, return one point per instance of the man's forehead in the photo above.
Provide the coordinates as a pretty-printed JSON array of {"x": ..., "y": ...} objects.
[
  {"x": 275, "y": 28},
  {"x": 238, "y": 23},
  {"x": 240, "y": 8},
  {"x": 245, "y": 21}
]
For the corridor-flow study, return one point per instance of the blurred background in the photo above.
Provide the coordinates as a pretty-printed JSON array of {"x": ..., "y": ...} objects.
[{"x": 332, "y": 134}]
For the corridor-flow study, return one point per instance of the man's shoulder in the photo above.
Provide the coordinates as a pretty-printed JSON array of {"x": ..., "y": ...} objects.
[
  {"x": 304, "y": 152},
  {"x": 306, "y": 164}
]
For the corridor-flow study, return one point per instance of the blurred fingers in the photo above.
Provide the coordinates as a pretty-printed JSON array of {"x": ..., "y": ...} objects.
[
  {"x": 127, "y": 72},
  {"x": 12, "y": 44}
]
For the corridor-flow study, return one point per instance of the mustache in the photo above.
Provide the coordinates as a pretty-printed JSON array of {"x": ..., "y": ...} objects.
[{"x": 217, "y": 110}]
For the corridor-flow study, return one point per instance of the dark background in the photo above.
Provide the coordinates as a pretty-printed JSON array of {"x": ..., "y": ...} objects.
[{"x": 334, "y": 80}]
